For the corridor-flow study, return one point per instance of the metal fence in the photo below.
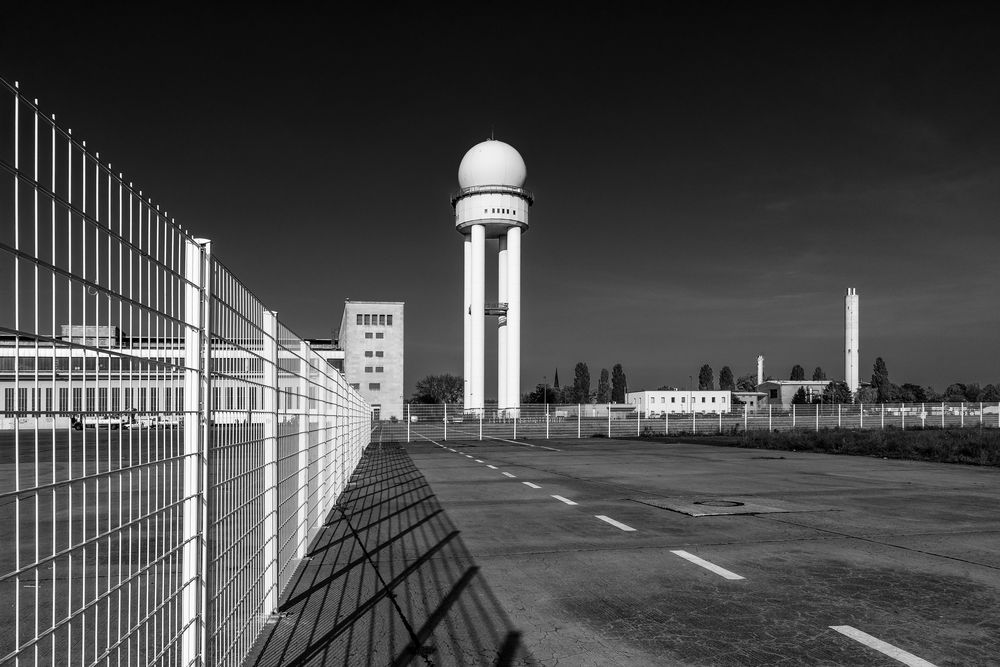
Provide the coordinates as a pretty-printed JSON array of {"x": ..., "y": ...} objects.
[
  {"x": 167, "y": 447},
  {"x": 451, "y": 422}
]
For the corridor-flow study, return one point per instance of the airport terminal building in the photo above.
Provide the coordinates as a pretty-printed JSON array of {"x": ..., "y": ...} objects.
[{"x": 371, "y": 337}]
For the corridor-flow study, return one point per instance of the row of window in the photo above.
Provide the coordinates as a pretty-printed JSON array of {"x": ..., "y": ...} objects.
[
  {"x": 372, "y": 386},
  {"x": 225, "y": 365},
  {"x": 93, "y": 399},
  {"x": 506, "y": 211},
  {"x": 378, "y": 369},
  {"x": 80, "y": 363},
  {"x": 377, "y": 353},
  {"x": 101, "y": 399},
  {"x": 673, "y": 399},
  {"x": 379, "y": 334},
  {"x": 375, "y": 320}
]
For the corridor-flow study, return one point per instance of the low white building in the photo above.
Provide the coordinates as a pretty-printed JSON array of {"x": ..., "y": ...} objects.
[{"x": 656, "y": 403}]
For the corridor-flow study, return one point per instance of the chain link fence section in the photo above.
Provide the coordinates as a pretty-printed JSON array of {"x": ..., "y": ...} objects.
[
  {"x": 552, "y": 421},
  {"x": 169, "y": 448}
]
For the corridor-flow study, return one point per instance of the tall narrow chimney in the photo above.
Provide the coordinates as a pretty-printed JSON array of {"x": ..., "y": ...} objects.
[
  {"x": 760, "y": 368},
  {"x": 851, "y": 343}
]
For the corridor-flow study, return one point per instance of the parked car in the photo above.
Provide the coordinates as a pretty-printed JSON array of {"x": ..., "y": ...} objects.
[
  {"x": 142, "y": 421},
  {"x": 113, "y": 422}
]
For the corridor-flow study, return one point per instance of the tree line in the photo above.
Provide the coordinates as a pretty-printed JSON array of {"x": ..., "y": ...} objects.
[{"x": 612, "y": 387}]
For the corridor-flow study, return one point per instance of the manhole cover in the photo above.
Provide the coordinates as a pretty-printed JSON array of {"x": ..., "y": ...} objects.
[{"x": 718, "y": 503}]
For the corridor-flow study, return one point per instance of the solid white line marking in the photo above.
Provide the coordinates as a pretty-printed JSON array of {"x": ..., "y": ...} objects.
[
  {"x": 616, "y": 524},
  {"x": 881, "y": 646},
  {"x": 478, "y": 461},
  {"x": 534, "y": 486},
  {"x": 522, "y": 444},
  {"x": 722, "y": 572},
  {"x": 565, "y": 500},
  {"x": 509, "y": 475},
  {"x": 489, "y": 466}
]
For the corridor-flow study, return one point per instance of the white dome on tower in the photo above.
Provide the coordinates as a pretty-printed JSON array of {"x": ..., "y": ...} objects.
[{"x": 492, "y": 162}]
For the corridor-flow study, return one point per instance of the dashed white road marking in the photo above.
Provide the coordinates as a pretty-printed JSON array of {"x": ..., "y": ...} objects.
[
  {"x": 565, "y": 500},
  {"x": 489, "y": 466},
  {"x": 616, "y": 524},
  {"x": 534, "y": 486},
  {"x": 722, "y": 572},
  {"x": 468, "y": 456},
  {"x": 509, "y": 475},
  {"x": 882, "y": 647},
  {"x": 478, "y": 461}
]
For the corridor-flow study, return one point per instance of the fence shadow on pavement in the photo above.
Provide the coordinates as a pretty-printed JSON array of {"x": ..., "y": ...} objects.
[{"x": 388, "y": 581}]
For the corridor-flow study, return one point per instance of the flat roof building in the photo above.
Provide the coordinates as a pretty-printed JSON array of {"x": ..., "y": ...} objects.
[
  {"x": 655, "y": 403},
  {"x": 781, "y": 392},
  {"x": 371, "y": 337}
]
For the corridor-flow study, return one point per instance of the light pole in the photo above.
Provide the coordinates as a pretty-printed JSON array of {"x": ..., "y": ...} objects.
[
  {"x": 545, "y": 392},
  {"x": 690, "y": 394}
]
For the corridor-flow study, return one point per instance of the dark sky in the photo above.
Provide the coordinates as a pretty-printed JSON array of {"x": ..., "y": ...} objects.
[{"x": 708, "y": 181}]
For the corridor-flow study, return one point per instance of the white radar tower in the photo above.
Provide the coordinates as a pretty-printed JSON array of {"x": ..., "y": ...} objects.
[{"x": 492, "y": 204}]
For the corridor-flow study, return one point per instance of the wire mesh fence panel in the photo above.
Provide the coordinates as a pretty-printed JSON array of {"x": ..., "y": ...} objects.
[{"x": 145, "y": 509}]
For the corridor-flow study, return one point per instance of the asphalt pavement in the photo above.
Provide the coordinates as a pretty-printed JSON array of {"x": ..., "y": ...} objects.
[{"x": 625, "y": 552}]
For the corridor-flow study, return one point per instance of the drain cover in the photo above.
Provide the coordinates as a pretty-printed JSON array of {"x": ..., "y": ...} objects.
[{"x": 722, "y": 507}]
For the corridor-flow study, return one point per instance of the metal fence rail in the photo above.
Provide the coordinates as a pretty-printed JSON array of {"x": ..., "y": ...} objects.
[
  {"x": 167, "y": 447},
  {"x": 533, "y": 421}
]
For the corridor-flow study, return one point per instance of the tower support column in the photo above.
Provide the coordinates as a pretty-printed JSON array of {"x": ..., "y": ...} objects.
[
  {"x": 502, "y": 369},
  {"x": 478, "y": 319},
  {"x": 467, "y": 320},
  {"x": 513, "y": 317}
]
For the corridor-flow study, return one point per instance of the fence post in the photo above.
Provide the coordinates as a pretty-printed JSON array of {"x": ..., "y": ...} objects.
[
  {"x": 579, "y": 411},
  {"x": 481, "y": 424},
  {"x": 793, "y": 415},
  {"x": 769, "y": 406},
  {"x": 902, "y": 416},
  {"x": 838, "y": 414},
  {"x": 980, "y": 413},
  {"x": 720, "y": 422},
  {"x": 861, "y": 415},
  {"x": 407, "y": 422},
  {"x": 304, "y": 455},
  {"x": 515, "y": 423},
  {"x": 666, "y": 423},
  {"x": 445, "y": 418},
  {"x": 817, "y": 416},
  {"x": 694, "y": 422},
  {"x": 638, "y": 423},
  {"x": 197, "y": 412},
  {"x": 962, "y": 415},
  {"x": 746, "y": 415},
  {"x": 609, "y": 420},
  {"x": 270, "y": 442},
  {"x": 546, "y": 425}
]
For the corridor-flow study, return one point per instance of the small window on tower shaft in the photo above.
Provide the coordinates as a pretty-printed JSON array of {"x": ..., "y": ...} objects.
[
  {"x": 359, "y": 318},
  {"x": 381, "y": 320},
  {"x": 388, "y": 320}
]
